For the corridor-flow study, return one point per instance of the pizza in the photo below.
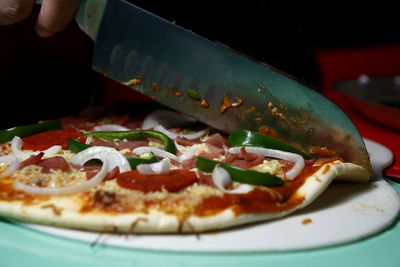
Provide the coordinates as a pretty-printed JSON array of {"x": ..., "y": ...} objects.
[{"x": 159, "y": 172}]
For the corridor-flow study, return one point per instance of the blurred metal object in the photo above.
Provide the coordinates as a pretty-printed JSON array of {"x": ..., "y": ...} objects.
[
  {"x": 378, "y": 98},
  {"x": 215, "y": 85}
]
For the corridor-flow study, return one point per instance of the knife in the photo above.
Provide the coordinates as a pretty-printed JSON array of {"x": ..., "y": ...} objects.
[{"x": 210, "y": 82}]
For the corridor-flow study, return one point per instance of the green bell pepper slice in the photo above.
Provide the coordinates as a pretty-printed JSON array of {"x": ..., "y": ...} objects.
[
  {"x": 134, "y": 135},
  {"x": 239, "y": 174},
  {"x": 27, "y": 130},
  {"x": 250, "y": 138},
  {"x": 193, "y": 94},
  {"x": 146, "y": 158}
]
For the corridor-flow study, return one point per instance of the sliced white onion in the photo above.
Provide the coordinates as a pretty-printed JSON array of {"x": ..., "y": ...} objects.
[
  {"x": 161, "y": 120},
  {"x": 155, "y": 151},
  {"x": 13, "y": 162},
  {"x": 16, "y": 147},
  {"x": 161, "y": 167},
  {"x": 296, "y": 158},
  {"x": 65, "y": 190},
  {"x": 166, "y": 118},
  {"x": 52, "y": 150},
  {"x": 88, "y": 140},
  {"x": 189, "y": 153},
  {"x": 173, "y": 135},
  {"x": 105, "y": 154},
  {"x": 222, "y": 178},
  {"x": 110, "y": 128},
  {"x": 110, "y": 157}
]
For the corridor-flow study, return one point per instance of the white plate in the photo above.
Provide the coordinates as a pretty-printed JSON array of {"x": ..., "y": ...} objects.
[{"x": 345, "y": 212}]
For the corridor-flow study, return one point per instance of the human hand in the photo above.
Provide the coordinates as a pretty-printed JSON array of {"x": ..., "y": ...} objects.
[{"x": 53, "y": 17}]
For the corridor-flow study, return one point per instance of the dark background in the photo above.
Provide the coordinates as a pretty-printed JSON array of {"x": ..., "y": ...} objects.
[
  {"x": 48, "y": 78},
  {"x": 286, "y": 34}
]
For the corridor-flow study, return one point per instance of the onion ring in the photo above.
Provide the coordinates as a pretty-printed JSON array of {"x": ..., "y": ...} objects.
[
  {"x": 109, "y": 128},
  {"x": 64, "y": 190},
  {"x": 161, "y": 167},
  {"x": 161, "y": 120},
  {"x": 13, "y": 162},
  {"x": 296, "y": 158},
  {"x": 16, "y": 147},
  {"x": 222, "y": 178},
  {"x": 156, "y": 152}
]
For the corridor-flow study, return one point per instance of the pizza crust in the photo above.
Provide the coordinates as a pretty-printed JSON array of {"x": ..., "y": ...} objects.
[
  {"x": 64, "y": 211},
  {"x": 311, "y": 189}
]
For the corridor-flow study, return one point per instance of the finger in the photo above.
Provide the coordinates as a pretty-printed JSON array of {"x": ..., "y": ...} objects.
[
  {"x": 55, "y": 15},
  {"x": 13, "y": 11}
]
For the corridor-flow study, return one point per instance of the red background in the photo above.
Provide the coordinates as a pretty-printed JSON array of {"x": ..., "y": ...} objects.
[{"x": 349, "y": 63}]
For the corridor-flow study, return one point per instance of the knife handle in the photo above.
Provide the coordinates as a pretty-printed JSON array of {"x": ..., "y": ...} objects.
[{"x": 89, "y": 16}]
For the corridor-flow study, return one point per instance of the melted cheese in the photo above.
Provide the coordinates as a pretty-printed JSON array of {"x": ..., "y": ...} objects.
[
  {"x": 271, "y": 166},
  {"x": 33, "y": 175},
  {"x": 179, "y": 203},
  {"x": 3, "y": 166},
  {"x": 201, "y": 148},
  {"x": 66, "y": 154},
  {"x": 125, "y": 151},
  {"x": 156, "y": 145}
]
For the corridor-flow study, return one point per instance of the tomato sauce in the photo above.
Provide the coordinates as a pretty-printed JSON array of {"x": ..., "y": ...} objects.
[
  {"x": 8, "y": 193},
  {"x": 258, "y": 200}
]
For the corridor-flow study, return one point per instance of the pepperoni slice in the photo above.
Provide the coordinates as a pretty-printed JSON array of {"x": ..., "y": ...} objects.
[
  {"x": 91, "y": 171},
  {"x": 45, "y": 140},
  {"x": 54, "y": 163},
  {"x": 175, "y": 181},
  {"x": 32, "y": 160}
]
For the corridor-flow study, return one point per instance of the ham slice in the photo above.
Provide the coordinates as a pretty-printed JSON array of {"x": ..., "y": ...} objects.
[
  {"x": 217, "y": 140},
  {"x": 243, "y": 159}
]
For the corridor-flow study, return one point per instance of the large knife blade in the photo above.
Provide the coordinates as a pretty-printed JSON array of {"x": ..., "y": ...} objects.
[{"x": 213, "y": 84}]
